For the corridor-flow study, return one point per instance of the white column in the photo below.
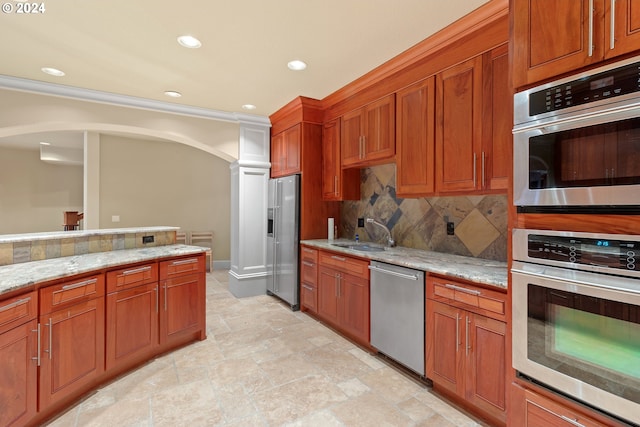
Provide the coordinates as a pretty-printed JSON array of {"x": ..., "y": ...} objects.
[
  {"x": 91, "y": 209},
  {"x": 249, "y": 179}
]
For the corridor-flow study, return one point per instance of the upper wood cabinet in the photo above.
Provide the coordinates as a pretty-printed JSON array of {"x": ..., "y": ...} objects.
[
  {"x": 553, "y": 38},
  {"x": 459, "y": 126},
  {"x": 415, "y": 139},
  {"x": 368, "y": 134},
  {"x": 285, "y": 152},
  {"x": 337, "y": 183}
]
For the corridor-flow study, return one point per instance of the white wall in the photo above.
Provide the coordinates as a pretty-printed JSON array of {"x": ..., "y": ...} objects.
[
  {"x": 148, "y": 183},
  {"x": 34, "y": 194}
]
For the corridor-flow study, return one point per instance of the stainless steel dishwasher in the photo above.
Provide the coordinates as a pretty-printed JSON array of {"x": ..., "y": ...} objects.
[{"x": 397, "y": 314}]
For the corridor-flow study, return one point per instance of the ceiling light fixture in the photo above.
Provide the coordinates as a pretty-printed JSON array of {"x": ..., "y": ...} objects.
[
  {"x": 173, "y": 94},
  {"x": 52, "y": 71},
  {"x": 189, "y": 41},
  {"x": 44, "y": 143},
  {"x": 249, "y": 107},
  {"x": 296, "y": 65}
]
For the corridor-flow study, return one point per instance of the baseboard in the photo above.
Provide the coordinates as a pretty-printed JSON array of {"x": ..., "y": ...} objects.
[
  {"x": 247, "y": 286},
  {"x": 221, "y": 265}
]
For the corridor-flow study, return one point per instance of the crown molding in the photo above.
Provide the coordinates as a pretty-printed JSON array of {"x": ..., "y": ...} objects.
[{"x": 90, "y": 95}]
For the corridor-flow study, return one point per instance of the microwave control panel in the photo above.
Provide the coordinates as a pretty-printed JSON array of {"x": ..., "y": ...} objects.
[
  {"x": 616, "y": 254},
  {"x": 607, "y": 84}
]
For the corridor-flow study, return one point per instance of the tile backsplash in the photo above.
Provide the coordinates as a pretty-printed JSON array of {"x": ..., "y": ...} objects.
[{"x": 480, "y": 222}]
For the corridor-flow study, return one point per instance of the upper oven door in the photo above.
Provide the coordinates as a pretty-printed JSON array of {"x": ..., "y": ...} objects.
[{"x": 583, "y": 160}]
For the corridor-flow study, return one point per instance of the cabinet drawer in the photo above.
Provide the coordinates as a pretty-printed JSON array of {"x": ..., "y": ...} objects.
[
  {"x": 309, "y": 254},
  {"x": 130, "y": 277},
  {"x": 309, "y": 297},
  {"x": 71, "y": 292},
  {"x": 182, "y": 266},
  {"x": 466, "y": 296},
  {"x": 344, "y": 263},
  {"x": 18, "y": 310}
]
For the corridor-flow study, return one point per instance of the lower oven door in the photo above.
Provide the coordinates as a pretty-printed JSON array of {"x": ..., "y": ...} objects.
[{"x": 579, "y": 333}]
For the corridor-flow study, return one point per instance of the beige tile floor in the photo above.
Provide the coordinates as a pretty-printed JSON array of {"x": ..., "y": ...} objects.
[{"x": 264, "y": 365}]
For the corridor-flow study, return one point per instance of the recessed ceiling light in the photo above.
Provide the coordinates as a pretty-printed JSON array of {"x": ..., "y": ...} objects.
[
  {"x": 52, "y": 71},
  {"x": 173, "y": 94},
  {"x": 45, "y": 143},
  {"x": 189, "y": 41},
  {"x": 249, "y": 107},
  {"x": 297, "y": 65}
]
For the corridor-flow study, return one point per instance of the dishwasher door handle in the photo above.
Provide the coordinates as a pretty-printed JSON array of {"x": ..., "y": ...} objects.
[{"x": 394, "y": 273}]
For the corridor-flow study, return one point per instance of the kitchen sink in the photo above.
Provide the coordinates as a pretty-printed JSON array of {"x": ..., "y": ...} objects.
[{"x": 360, "y": 247}]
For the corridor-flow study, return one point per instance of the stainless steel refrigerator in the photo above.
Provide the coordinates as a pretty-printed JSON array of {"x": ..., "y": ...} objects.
[{"x": 283, "y": 231}]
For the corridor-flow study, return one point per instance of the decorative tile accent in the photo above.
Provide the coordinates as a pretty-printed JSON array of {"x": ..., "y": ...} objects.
[
  {"x": 82, "y": 245},
  {"x": 38, "y": 250},
  {"x": 54, "y": 248},
  {"x": 21, "y": 252},
  {"x": 68, "y": 247},
  {"x": 480, "y": 221},
  {"x": 6, "y": 253}
]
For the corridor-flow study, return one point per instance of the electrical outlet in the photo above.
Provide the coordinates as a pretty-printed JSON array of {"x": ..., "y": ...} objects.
[
  {"x": 147, "y": 239},
  {"x": 360, "y": 222},
  {"x": 450, "y": 229}
]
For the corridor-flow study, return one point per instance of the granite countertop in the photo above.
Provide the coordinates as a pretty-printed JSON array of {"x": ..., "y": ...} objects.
[
  {"x": 477, "y": 270},
  {"x": 20, "y": 275},
  {"x": 47, "y": 235}
]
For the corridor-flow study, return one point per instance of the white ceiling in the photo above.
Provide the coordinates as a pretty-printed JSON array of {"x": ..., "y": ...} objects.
[{"x": 129, "y": 47}]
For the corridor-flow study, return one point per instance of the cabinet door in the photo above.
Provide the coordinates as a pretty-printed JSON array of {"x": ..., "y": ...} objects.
[
  {"x": 496, "y": 156},
  {"x": 353, "y": 295},
  {"x": 415, "y": 139},
  {"x": 552, "y": 38},
  {"x": 625, "y": 21},
  {"x": 291, "y": 147},
  {"x": 72, "y": 352},
  {"x": 182, "y": 302},
  {"x": 445, "y": 347},
  {"x": 331, "y": 160},
  {"x": 485, "y": 355},
  {"x": 379, "y": 129},
  {"x": 351, "y": 128},
  {"x": 277, "y": 155},
  {"x": 132, "y": 324},
  {"x": 19, "y": 374},
  {"x": 328, "y": 294},
  {"x": 459, "y": 126}
]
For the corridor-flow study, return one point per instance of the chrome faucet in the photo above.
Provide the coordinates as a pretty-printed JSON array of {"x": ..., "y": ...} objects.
[{"x": 390, "y": 240}]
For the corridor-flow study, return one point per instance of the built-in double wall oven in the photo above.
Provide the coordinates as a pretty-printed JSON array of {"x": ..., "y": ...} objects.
[{"x": 576, "y": 295}]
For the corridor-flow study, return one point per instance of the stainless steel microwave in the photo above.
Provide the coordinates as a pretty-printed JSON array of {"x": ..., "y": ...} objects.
[{"x": 577, "y": 140}]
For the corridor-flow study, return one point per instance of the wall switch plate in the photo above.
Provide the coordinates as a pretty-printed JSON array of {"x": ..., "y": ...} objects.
[
  {"x": 450, "y": 229},
  {"x": 360, "y": 222},
  {"x": 147, "y": 239},
  {"x": 115, "y": 218}
]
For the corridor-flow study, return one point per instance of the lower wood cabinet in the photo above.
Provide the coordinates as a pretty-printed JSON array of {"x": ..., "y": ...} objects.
[
  {"x": 80, "y": 338},
  {"x": 343, "y": 294},
  {"x": 466, "y": 344},
  {"x": 18, "y": 373},
  {"x": 72, "y": 339}
]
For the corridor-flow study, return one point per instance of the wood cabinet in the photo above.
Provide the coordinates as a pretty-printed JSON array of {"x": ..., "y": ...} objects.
[
  {"x": 285, "y": 152},
  {"x": 131, "y": 315},
  {"x": 337, "y": 183},
  {"x": 19, "y": 359},
  {"x": 530, "y": 409},
  {"x": 343, "y": 294},
  {"x": 459, "y": 126},
  {"x": 308, "y": 279},
  {"x": 466, "y": 344},
  {"x": 72, "y": 337},
  {"x": 473, "y": 125},
  {"x": 415, "y": 139},
  {"x": 554, "y": 38},
  {"x": 182, "y": 300},
  {"x": 368, "y": 134}
]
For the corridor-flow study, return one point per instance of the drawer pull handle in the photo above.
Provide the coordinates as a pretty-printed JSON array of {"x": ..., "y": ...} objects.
[
  {"x": 310, "y": 251},
  {"x": 307, "y": 287},
  {"x": 461, "y": 289},
  {"x": 15, "y": 304},
  {"x": 570, "y": 421},
  {"x": 338, "y": 258},
  {"x": 79, "y": 284},
  {"x": 185, "y": 261},
  {"x": 308, "y": 264},
  {"x": 394, "y": 273},
  {"x": 136, "y": 270}
]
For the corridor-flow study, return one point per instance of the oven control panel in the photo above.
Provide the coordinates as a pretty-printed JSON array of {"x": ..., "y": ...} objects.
[{"x": 602, "y": 252}]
